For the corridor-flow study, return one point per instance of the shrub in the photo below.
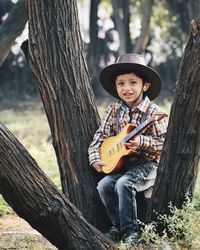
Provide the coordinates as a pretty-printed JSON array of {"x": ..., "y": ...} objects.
[{"x": 182, "y": 227}]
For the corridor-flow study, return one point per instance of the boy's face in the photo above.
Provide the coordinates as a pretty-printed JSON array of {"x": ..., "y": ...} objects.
[{"x": 130, "y": 88}]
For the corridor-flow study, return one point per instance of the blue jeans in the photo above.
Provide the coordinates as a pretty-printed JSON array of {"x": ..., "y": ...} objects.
[{"x": 118, "y": 194}]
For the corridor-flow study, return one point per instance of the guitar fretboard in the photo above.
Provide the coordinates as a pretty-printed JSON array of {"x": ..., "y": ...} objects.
[{"x": 136, "y": 130}]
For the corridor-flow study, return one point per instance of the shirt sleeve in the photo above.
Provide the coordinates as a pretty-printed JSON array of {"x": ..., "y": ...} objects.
[
  {"x": 103, "y": 132},
  {"x": 153, "y": 139}
]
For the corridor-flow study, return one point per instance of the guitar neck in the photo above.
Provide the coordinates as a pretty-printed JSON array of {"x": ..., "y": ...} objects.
[{"x": 137, "y": 130}]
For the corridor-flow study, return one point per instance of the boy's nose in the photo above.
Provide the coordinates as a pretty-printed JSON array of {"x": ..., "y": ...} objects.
[{"x": 126, "y": 86}]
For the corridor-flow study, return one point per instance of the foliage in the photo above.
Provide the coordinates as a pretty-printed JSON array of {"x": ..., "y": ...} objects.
[
  {"x": 107, "y": 5},
  {"x": 185, "y": 12},
  {"x": 181, "y": 228},
  {"x": 167, "y": 32}
]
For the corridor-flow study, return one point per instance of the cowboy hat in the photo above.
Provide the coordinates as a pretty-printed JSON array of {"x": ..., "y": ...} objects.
[{"x": 131, "y": 63}]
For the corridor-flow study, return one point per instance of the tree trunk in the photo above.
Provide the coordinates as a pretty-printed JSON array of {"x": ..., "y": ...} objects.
[
  {"x": 36, "y": 199},
  {"x": 121, "y": 20},
  {"x": 179, "y": 160},
  {"x": 12, "y": 28},
  {"x": 129, "y": 45},
  {"x": 94, "y": 47},
  {"x": 143, "y": 39},
  {"x": 56, "y": 58}
]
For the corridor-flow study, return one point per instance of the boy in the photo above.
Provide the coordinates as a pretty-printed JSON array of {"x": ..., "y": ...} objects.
[{"x": 135, "y": 84}]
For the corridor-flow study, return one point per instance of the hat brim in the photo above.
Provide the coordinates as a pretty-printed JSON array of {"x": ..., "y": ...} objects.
[{"x": 149, "y": 75}]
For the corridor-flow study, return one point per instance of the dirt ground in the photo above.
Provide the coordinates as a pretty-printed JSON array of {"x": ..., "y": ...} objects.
[{"x": 16, "y": 233}]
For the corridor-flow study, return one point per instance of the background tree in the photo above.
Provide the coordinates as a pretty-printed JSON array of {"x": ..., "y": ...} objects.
[
  {"x": 163, "y": 23},
  {"x": 143, "y": 40},
  {"x": 16, "y": 79},
  {"x": 99, "y": 51},
  {"x": 185, "y": 10},
  {"x": 95, "y": 45},
  {"x": 174, "y": 21},
  {"x": 12, "y": 28},
  {"x": 121, "y": 17}
]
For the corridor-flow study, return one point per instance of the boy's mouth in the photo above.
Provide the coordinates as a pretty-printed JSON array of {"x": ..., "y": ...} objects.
[{"x": 128, "y": 94}]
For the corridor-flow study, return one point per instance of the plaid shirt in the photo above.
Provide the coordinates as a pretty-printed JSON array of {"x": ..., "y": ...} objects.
[{"x": 152, "y": 139}]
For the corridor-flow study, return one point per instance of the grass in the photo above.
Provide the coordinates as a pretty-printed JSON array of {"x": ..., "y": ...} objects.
[
  {"x": 24, "y": 241},
  {"x": 31, "y": 128},
  {"x": 4, "y": 208}
]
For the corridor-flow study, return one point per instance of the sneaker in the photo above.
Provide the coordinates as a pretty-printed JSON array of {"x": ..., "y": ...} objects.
[
  {"x": 132, "y": 238},
  {"x": 114, "y": 234}
]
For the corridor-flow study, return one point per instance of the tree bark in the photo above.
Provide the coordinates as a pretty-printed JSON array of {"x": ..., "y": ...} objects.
[
  {"x": 180, "y": 156},
  {"x": 12, "y": 28},
  {"x": 56, "y": 57},
  {"x": 143, "y": 39},
  {"x": 36, "y": 199}
]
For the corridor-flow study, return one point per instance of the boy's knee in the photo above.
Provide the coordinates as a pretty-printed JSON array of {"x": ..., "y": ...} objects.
[
  {"x": 123, "y": 185},
  {"x": 102, "y": 186}
]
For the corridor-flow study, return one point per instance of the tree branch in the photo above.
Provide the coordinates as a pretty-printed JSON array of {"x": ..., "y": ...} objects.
[
  {"x": 143, "y": 38},
  {"x": 36, "y": 199}
]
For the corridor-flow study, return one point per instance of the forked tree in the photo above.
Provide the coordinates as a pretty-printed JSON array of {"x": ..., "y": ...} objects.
[{"x": 56, "y": 58}]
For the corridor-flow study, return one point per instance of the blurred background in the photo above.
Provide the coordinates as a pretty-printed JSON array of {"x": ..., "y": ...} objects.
[{"x": 158, "y": 29}]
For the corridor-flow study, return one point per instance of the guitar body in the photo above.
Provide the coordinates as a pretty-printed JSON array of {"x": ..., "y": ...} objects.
[{"x": 113, "y": 153}]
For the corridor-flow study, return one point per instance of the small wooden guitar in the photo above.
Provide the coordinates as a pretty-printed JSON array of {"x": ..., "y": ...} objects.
[{"x": 113, "y": 152}]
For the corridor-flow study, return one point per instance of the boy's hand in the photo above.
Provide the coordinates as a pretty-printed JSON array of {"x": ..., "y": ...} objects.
[
  {"x": 133, "y": 144},
  {"x": 98, "y": 166}
]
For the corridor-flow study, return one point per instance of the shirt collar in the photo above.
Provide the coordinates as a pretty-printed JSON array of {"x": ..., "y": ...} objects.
[{"x": 143, "y": 105}]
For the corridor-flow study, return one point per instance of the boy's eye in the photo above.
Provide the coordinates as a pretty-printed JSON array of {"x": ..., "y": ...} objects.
[
  {"x": 120, "y": 83},
  {"x": 133, "y": 82}
]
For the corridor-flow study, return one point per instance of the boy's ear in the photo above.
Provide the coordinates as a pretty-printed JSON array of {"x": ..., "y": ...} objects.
[{"x": 146, "y": 86}]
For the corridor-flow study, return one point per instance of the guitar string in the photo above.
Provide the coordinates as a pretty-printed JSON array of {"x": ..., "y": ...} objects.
[
  {"x": 126, "y": 138},
  {"x": 129, "y": 136}
]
